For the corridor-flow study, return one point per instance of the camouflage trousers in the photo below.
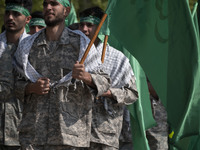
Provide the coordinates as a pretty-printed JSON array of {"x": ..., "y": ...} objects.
[
  {"x": 3, "y": 147},
  {"x": 126, "y": 146},
  {"x": 125, "y": 139},
  {"x": 93, "y": 146},
  {"x": 158, "y": 135}
]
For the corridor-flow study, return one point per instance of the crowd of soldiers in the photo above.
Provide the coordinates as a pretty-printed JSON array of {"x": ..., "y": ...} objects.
[{"x": 50, "y": 100}]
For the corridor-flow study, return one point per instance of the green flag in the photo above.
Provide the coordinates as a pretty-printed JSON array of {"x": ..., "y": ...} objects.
[
  {"x": 141, "y": 113},
  {"x": 163, "y": 36},
  {"x": 187, "y": 130},
  {"x": 71, "y": 18}
]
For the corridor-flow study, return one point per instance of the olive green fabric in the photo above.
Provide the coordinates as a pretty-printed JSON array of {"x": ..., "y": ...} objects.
[{"x": 163, "y": 36}]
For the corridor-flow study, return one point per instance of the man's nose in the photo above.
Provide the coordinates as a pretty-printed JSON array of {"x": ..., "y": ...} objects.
[
  {"x": 84, "y": 28},
  {"x": 37, "y": 29},
  {"x": 10, "y": 16},
  {"x": 49, "y": 6}
]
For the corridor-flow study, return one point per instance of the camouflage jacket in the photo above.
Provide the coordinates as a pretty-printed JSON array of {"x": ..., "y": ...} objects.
[
  {"x": 108, "y": 113},
  {"x": 64, "y": 116},
  {"x": 10, "y": 107}
]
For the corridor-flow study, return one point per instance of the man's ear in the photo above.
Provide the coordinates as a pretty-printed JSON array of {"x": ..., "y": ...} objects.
[
  {"x": 28, "y": 19},
  {"x": 67, "y": 11}
]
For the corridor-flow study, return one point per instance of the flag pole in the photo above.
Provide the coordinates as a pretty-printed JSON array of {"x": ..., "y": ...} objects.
[
  {"x": 104, "y": 48},
  {"x": 93, "y": 39},
  {"x": 91, "y": 42}
]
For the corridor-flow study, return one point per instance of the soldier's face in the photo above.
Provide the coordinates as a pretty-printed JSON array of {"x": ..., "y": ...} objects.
[
  {"x": 14, "y": 21},
  {"x": 54, "y": 12},
  {"x": 88, "y": 29},
  {"x": 34, "y": 29}
]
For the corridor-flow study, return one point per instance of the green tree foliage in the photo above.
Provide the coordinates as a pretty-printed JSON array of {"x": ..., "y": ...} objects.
[
  {"x": 192, "y": 2},
  {"x": 83, "y": 4},
  {"x": 78, "y": 4},
  {"x": 37, "y": 5},
  {"x": 2, "y": 9}
]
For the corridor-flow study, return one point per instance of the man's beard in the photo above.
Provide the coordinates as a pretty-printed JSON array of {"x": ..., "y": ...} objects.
[
  {"x": 13, "y": 30},
  {"x": 54, "y": 22}
]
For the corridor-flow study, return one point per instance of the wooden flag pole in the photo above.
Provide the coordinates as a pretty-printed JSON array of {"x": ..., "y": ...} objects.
[
  {"x": 93, "y": 39},
  {"x": 104, "y": 48},
  {"x": 91, "y": 42}
]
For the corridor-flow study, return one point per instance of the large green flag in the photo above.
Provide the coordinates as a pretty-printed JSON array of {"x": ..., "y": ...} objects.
[
  {"x": 72, "y": 17},
  {"x": 141, "y": 113},
  {"x": 163, "y": 37}
]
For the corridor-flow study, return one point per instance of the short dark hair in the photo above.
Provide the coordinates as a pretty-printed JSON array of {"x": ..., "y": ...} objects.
[
  {"x": 25, "y": 3},
  {"x": 93, "y": 11},
  {"x": 37, "y": 14}
]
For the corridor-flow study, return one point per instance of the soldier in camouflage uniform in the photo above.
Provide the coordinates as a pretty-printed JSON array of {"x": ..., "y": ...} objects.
[
  {"x": 57, "y": 114},
  {"x": 15, "y": 19},
  {"x": 37, "y": 22},
  {"x": 157, "y": 136},
  {"x": 108, "y": 109}
]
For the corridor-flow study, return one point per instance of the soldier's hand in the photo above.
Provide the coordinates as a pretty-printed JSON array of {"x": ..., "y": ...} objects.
[
  {"x": 79, "y": 73},
  {"x": 40, "y": 87},
  {"x": 107, "y": 94}
]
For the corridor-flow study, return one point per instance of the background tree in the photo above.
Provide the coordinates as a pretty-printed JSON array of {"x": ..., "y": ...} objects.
[
  {"x": 83, "y": 4},
  {"x": 2, "y": 9},
  {"x": 78, "y": 4}
]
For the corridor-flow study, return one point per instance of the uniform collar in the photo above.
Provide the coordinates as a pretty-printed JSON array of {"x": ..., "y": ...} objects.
[{"x": 64, "y": 39}]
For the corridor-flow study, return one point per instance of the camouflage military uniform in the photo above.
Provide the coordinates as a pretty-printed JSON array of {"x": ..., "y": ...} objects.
[
  {"x": 93, "y": 146},
  {"x": 158, "y": 135},
  {"x": 10, "y": 107},
  {"x": 108, "y": 113},
  {"x": 125, "y": 139},
  {"x": 62, "y": 117}
]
